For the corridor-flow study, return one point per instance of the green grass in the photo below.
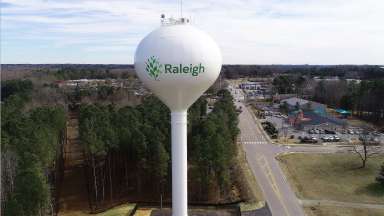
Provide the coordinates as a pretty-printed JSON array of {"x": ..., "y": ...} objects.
[
  {"x": 121, "y": 210},
  {"x": 250, "y": 206},
  {"x": 334, "y": 177},
  {"x": 338, "y": 211}
]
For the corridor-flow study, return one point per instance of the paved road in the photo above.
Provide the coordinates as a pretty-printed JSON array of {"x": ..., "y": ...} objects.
[{"x": 261, "y": 158}]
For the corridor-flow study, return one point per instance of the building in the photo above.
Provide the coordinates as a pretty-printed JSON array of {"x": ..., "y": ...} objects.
[
  {"x": 295, "y": 103},
  {"x": 279, "y": 97},
  {"x": 303, "y": 114},
  {"x": 328, "y": 78},
  {"x": 251, "y": 86}
]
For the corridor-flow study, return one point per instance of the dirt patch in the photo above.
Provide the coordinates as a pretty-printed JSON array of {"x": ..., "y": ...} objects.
[{"x": 73, "y": 193}]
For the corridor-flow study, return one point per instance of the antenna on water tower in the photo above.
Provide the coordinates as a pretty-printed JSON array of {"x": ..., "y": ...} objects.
[{"x": 181, "y": 8}]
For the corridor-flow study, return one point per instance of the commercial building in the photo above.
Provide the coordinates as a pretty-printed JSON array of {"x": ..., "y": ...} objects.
[{"x": 295, "y": 103}]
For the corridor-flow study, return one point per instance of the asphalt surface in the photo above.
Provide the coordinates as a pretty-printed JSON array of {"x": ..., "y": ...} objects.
[{"x": 261, "y": 158}]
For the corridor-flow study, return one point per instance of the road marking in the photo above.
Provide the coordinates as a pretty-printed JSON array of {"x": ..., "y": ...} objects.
[
  {"x": 253, "y": 142},
  {"x": 264, "y": 164}
]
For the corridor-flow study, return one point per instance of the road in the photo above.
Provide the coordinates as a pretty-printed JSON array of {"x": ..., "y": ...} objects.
[{"x": 261, "y": 158}]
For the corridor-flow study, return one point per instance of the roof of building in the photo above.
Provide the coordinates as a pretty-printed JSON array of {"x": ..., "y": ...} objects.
[
  {"x": 294, "y": 100},
  {"x": 250, "y": 83},
  {"x": 342, "y": 111}
]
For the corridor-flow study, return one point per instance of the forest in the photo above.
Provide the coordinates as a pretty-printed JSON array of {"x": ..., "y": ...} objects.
[
  {"x": 128, "y": 150},
  {"x": 364, "y": 72},
  {"x": 94, "y": 71},
  {"x": 363, "y": 98},
  {"x": 30, "y": 142}
]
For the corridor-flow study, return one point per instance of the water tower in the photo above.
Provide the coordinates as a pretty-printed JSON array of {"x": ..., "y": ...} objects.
[{"x": 178, "y": 62}]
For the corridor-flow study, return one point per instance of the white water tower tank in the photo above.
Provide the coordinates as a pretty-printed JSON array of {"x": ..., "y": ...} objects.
[
  {"x": 178, "y": 62},
  {"x": 172, "y": 45}
]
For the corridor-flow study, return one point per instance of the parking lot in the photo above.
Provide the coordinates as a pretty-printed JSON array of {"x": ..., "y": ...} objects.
[
  {"x": 324, "y": 133},
  {"x": 316, "y": 134}
]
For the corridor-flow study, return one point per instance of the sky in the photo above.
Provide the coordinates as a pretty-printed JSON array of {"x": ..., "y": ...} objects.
[{"x": 247, "y": 31}]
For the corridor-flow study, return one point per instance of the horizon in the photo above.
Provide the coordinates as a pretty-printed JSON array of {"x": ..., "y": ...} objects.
[{"x": 294, "y": 32}]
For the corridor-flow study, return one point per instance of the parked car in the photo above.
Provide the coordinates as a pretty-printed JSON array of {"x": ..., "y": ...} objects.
[
  {"x": 308, "y": 140},
  {"x": 329, "y": 131},
  {"x": 336, "y": 139},
  {"x": 330, "y": 139},
  {"x": 326, "y": 139}
]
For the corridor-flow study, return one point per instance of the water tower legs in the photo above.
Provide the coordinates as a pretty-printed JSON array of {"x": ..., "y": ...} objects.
[{"x": 179, "y": 164}]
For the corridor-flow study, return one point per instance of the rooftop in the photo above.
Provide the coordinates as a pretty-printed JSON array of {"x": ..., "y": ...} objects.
[{"x": 294, "y": 100}]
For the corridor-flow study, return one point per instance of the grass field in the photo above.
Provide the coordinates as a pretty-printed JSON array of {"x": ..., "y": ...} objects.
[
  {"x": 337, "y": 211},
  {"x": 333, "y": 177},
  {"x": 121, "y": 210},
  {"x": 143, "y": 212}
]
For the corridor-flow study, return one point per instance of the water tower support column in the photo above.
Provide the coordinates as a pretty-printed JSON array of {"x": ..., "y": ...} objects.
[{"x": 179, "y": 163}]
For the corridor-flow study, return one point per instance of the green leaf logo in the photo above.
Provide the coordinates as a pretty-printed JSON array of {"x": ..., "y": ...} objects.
[{"x": 153, "y": 67}]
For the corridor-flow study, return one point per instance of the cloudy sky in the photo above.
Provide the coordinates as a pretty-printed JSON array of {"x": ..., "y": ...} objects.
[{"x": 247, "y": 31}]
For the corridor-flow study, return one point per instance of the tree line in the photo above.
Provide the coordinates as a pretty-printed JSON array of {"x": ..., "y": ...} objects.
[
  {"x": 362, "y": 98},
  {"x": 287, "y": 84},
  {"x": 129, "y": 149},
  {"x": 30, "y": 142},
  {"x": 365, "y": 100},
  {"x": 364, "y": 72},
  {"x": 213, "y": 147},
  {"x": 20, "y": 87},
  {"x": 74, "y": 72}
]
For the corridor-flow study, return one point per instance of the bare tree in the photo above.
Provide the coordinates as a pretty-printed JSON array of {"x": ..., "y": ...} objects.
[
  {"x": 368, "y": 147},
  {"x": 284, "y": 130}
]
